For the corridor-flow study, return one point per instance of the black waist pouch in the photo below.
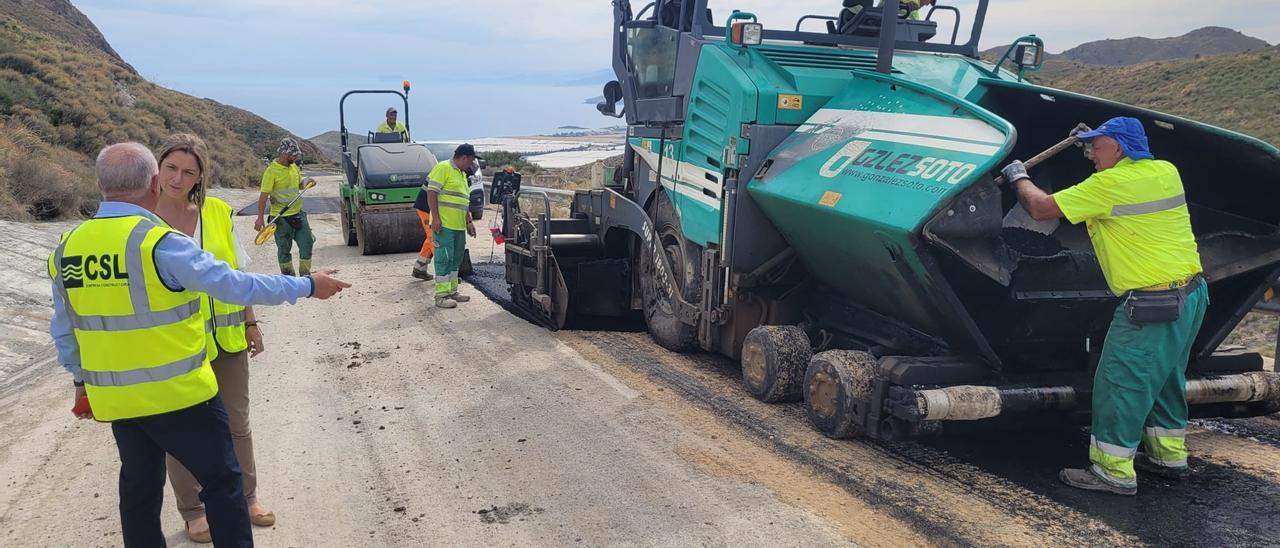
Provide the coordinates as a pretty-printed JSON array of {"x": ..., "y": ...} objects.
[
  {"x": 1157, "y": 307},
  {"x": 295, "y": 221}
]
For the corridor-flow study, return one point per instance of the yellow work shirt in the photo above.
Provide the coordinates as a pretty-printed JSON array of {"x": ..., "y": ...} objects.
[
  {"x": 385, "y": 128},
  {"x": 453, "y": 194},
  {"x": 282, "y": 184},
  {"x": 1137, "y": 217}
]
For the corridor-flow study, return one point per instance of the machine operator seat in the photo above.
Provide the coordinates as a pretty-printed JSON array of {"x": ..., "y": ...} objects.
[
  {"x": 390, "y": 137},
  {"x": 859, "y": 18}
]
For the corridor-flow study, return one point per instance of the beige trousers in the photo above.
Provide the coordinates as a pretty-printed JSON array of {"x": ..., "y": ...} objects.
[{"x": 232, "y": 371}]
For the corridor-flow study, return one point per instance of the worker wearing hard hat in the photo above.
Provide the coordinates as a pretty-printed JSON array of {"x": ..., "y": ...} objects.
[
  {"x": 281, "y": 184},
  {"x": 1137, "y": 217},
  {"x": 127, "y": 324},
  {"x": 390, "y": 125},
  {"x": 449, "y": 200}
]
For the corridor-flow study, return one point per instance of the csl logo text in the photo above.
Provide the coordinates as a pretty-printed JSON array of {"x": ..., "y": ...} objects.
[
  {"x": 860, "y": 154},
  {"x": 76, "y": 269}
]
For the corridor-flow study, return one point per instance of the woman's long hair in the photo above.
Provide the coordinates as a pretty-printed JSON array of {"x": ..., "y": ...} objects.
[{"x": 190, "y": 144}]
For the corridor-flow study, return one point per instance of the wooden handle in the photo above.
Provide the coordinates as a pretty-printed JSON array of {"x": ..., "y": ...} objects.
[{"x": 1051, "y": 152}]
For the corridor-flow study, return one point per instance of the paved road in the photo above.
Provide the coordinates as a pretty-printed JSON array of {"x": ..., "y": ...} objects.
[{"x": 382, "y": 421}]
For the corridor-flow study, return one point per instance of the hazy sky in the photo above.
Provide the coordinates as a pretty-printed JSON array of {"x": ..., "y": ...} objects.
[{"x": 503, "y": 67}]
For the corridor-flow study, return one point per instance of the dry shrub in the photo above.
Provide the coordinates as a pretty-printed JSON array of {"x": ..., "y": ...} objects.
[{"x": 33, "y": 185}]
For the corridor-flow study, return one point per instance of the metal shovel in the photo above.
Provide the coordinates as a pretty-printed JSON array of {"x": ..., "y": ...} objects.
[{"x": 1019, "y": 217}]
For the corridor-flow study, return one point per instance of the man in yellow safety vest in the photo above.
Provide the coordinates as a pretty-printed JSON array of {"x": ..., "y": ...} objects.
[{"x": 127, "y": 324}]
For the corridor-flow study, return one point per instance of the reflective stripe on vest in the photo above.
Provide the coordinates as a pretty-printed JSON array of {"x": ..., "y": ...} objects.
[
  {"x": 229, "y": 320},
  {"x": 146, "y": 374},
  {"x": 137, "y": 295},
  {"x": 227, "y": 333},
  {"x": 143, "y": 350},
  {"x": 453, "y": 205},
  {"x": 430, "y": 187},
  {"x": 281, "y": 197},
  {"x": 1149, "y": 207}
]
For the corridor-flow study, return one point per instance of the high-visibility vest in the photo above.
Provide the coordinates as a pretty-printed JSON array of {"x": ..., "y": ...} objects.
[
  {"x": 142, "y": 345},
  {"x": 285, "y": 184},
  {"x": 228, "y": 319},
  {"x": 453, "y": 194}
]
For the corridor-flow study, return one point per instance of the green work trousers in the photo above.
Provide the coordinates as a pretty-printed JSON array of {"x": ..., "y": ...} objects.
[
  {"x": 1139, "y": 392},
  {"x": 286, "y": 235},
  {"x": 450, "y": 247}
]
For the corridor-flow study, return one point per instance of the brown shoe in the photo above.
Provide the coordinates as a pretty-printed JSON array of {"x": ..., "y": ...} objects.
[
  {"x": 199, "y": 537},
  {"x": 263, "y": 520}
]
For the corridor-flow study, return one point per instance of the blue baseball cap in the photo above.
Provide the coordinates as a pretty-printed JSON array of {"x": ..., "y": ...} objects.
[{"x": 1126, "y": 131}]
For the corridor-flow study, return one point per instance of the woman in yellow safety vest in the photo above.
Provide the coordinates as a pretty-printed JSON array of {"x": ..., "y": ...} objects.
[{"x": 233, "y": 334}]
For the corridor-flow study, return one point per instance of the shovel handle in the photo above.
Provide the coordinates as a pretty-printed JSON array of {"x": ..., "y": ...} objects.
[{"x": 1051, "y": 152}]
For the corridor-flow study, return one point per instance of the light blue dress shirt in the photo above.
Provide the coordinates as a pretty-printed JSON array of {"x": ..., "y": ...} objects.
[{"x": 182, "y": 264}]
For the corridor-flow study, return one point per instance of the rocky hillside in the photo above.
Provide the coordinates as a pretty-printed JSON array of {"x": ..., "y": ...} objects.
[
  {"x": 64, "y": 94},
  {"x": 1214, "y": 75},
  {"x": 62, "y": 21},
  {"x": 330, "y": 145},
  {"x": 1132, "y": 51},
  {"x": 1237, "y": 91}
]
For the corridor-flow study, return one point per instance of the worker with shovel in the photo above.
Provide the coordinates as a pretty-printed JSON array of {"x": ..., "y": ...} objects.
[
  {"x": 282, "y": 186},
  {"x": 1136, "y": 213}
]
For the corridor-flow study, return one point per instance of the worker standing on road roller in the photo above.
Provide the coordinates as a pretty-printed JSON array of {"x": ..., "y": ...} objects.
[
  {"x": 127, "y": 325},
  {"x": 1136, "y": 214},
  {"x": 449, "y": 199},
  {"x": 185, "y": 206},
  {"x": 390, "y": 125},
  {"x": 281, "y": 183}
]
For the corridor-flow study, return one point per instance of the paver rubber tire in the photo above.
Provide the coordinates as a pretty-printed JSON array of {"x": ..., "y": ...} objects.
[
  {"x": 774, "y": 362},
  {"x": 837, "y": 392},
  {"x": 685, "y": 259}
]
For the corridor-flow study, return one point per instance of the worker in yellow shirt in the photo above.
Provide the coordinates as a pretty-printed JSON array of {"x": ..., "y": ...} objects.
[
  {"x": 1136, "y": 213},
  {"x": 281, "y": 183},
  {"x": 390, "y": 125},
  {"x": 449, "y": 199}
]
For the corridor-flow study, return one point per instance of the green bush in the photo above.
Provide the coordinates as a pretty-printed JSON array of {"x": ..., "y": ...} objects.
[{"x": 494, "y": 161}]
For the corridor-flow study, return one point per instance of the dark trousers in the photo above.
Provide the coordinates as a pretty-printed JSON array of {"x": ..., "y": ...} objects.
[{"x": 199, "y": 437}]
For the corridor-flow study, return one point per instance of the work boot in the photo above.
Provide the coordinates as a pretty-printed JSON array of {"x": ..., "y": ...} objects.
[
  {"x": 1089, "y": 480},
  {"x": 446, "y": 302},
  {"x": 1145, "y": 464},
  {"x": 304, "y": 267},
  {"x": 459, "y": 297},
  {"x": 287, "y": 268},
  {"x": 420, "y": 272}
]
